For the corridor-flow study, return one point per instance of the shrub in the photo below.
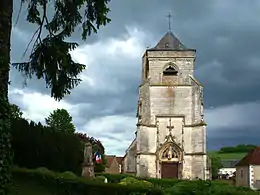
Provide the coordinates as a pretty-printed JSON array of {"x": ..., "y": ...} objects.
[
  {"x": 68, "y": 174},
  {"x": 116, "y": 178},
  {"x": 135, "y": 182},
  {"x": 43, "y": 170},
  {"x": 99, "y": 179},
  {"x": 181, "y": 187},
  {"x": 165, "y": 183},
  {"x": 76, "y": 186},
  {"x": 206, "y": 188},
  {"x": 113, "y": 178}
]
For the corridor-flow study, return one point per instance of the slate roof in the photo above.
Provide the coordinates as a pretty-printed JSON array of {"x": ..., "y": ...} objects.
[
  {"x": 252, "y": 158},
  {"x": 170, "y": 42}
]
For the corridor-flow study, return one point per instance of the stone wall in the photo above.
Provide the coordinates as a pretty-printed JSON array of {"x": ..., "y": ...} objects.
[
  {"x": 198, "y": 168},
  {"x": 146, "y": 139},
  {"x": 177, "y": 122},
  {"x": 256, "y": 176},
  {"x": 172, "y": 100},
  {"x": 129, "y": 162},
  {"x": 183, "y": 60},
  {"x": 242, "y": 176},
  {"x": 146, "y": 165},
  {"x": 144, "y": 99},
  {"x": 198, "y": 140}
]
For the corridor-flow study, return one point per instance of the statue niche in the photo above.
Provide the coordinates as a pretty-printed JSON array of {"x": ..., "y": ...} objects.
[{"x": 170, "y": 152}]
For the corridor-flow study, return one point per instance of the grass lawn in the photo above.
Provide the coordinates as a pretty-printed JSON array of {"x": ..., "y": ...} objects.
[{"x": 228, "y": 156}]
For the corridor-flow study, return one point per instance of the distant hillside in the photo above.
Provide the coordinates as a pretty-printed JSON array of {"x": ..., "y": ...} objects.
[
  {"x": 228, "y": 156},
  {"x": 233, "y": 152}
]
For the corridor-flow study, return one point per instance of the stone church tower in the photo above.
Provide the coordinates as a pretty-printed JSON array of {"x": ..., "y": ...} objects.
[{"x": 171, "y": 133}]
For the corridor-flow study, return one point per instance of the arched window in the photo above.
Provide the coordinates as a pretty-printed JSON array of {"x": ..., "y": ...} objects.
[{"x": 170, "y": 70}]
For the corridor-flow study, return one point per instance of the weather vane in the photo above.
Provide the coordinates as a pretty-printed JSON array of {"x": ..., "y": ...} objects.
[{"x": 169, "y": 20}]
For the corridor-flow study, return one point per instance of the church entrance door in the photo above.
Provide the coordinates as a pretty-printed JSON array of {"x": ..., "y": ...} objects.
[{"x": 169, "y": 170}]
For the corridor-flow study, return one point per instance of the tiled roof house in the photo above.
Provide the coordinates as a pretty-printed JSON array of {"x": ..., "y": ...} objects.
[{"x": 248, "y": 170}]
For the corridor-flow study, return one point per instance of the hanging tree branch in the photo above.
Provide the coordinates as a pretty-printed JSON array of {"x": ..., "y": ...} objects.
[{"x": 50, "y": 58}]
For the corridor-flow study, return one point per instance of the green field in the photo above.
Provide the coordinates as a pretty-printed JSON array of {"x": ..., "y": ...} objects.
[{"x": 228, "y": 156}]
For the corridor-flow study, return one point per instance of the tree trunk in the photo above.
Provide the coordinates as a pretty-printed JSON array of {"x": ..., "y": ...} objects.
[{"x": 6, "y": 9}]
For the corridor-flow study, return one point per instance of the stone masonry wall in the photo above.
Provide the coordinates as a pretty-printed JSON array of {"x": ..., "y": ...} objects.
[
  {"x": 144, "y": 97},
  {"x": 146, "y": 166},
  {"x": 197, "y": 140},
  {"x": 173, "y": 100},
  {"x": 164, "y": 131},
  {"x": 158, "y": 59},
  {"x": 198, "y": 168},
  {"x": 146, "y": 139},
  {"x": 130, "y": 158}
]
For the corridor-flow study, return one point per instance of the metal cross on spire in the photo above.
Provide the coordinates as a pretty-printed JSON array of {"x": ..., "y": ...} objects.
[{"x": 169, "y": 20}]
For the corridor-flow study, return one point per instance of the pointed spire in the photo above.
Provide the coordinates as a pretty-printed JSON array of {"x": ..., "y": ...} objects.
[{"x": 170, "y": 42}]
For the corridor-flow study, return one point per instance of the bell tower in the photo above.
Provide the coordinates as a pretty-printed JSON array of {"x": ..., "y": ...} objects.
[{"x": 170, "y": 96}]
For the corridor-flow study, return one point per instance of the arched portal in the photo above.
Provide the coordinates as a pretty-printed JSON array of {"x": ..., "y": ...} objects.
[{"x": 170, "y": 159}]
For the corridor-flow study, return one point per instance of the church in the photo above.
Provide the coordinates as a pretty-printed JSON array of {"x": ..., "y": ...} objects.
[{"x": 170, "y": 139}]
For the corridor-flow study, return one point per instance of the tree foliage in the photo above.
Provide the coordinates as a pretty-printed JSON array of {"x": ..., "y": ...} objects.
[
  {"x": 241, "y": 148},
  {"x": 61, "y": 120},
  {"x": 16, "y": 112},
  {"x": 50, "y": 58},
  {"x": 215, "y": 165},
  {"x": 36, "y": 145},
  {"x": 97, "y": 147}
]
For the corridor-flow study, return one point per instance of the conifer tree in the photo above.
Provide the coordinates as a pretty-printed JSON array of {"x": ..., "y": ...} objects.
[{"x": 60, "y": 120}]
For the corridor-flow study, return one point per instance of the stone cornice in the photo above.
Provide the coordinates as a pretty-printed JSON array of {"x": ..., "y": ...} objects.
[
  {"x": 145, "y": 125},
  {"x": 169, "y": 85},
  {"x": 187, "y": 154},
  {"x": 169, "y": 116},
  {"x": 145, "y": 153},
  {"x": 202, "y": 123},
  {"x": 165, "y": 85}
]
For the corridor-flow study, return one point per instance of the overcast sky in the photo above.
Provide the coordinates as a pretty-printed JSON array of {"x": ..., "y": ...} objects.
[{"x": 226, "y": 35}]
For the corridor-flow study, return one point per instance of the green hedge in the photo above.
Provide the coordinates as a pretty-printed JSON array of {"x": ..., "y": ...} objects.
[
  {"x": 185, "y": 187},
  {"x": 58, "y": 183},
  {"x": 35, "y": 145},
  {"x": 116, "y": 178}
]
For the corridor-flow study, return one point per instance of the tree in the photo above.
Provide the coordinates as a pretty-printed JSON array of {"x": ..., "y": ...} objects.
[
  {"x": 49, "y": 59},
  {"x": 215, "y": 165},
  {"x": 97, "y": 146},
  {"x": 16, "y": 112},
  {"x": 60, "y": 120},
  {"x": 35, "y": 145}
]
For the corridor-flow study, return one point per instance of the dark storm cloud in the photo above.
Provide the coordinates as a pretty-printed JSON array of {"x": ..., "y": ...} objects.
[
  {"x": 226, "y": 35},
  {"x": 238, "y": 136}
]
